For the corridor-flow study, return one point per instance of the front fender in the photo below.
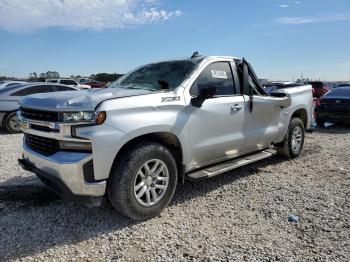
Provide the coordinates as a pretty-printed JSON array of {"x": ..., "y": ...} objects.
[{"x": 107, "y": 142}]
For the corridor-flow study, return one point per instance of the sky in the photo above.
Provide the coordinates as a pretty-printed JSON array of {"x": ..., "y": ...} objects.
[{"x": 283, "y": 39}]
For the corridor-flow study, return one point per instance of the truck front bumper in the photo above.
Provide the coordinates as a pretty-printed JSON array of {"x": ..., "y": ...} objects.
[{"x": 63, "y": 173}]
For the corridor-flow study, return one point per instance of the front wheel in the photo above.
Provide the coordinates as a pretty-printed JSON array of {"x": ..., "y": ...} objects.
[
  {"x": 294, "y": 141},
  {"x": 143, "y": 181},
  {"x": 12, "y": 124}
]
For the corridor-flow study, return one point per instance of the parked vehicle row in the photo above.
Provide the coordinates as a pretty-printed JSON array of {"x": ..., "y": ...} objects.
[
  {"x": 343, "y": 85},
  {"x": 69, "y": 82},
  {"x": 96, "y": 84},
  {"x": 334, "y": 106},
  {"x": 331, "y": 100},
  {"x": 11, "y": 95},
  {"x": 11, "y": 83},
  {"x": 320, "y": 88},
  {"x": 11, "y": 91}
]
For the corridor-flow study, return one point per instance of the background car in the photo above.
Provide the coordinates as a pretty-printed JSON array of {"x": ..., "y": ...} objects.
[
  {"x": 10, "y": 96},
  {"x": 334, "y": 106},
  {"x": 69, "y": 82},
  {"x": 319, "y": 88},
  {"x": 84, "y": 80},
  {"x": 96, "y": 84},
  {"x": 11, "y": 83},
  {"x": 273, "y": 86},
  {"x": 343, "y": 84}
]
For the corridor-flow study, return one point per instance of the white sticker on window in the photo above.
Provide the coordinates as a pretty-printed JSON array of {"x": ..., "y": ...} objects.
[{"x": 218, "y": 74}]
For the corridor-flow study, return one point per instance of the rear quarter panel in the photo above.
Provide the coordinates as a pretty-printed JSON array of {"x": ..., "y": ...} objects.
[{"x": 301, "y": 99}]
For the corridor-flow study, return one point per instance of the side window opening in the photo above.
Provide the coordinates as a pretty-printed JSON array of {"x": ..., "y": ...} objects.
[
  {"x": 63, "y": 88},
  {"x": 253, "y": 87},
  {"x": 218, "y": 74},
  {"x": 68, "y": 82}
]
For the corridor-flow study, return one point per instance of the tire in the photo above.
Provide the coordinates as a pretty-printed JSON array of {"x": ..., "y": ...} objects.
[
  {"x": 11, "y": 123},
  {"x": 295, "y": 133},
  {"x": 129, "y": 172}
]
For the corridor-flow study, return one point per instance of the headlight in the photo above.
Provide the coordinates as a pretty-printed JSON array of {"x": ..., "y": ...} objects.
[
  {"x": 79, "y": 116},
  {"x": 87, "y": 116}
]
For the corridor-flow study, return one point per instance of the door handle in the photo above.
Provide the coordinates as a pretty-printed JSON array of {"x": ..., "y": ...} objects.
[{"x": 236, "y": 108}]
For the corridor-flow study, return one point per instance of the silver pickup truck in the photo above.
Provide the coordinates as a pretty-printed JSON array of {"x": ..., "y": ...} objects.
[{"x": 158, "y": 125}]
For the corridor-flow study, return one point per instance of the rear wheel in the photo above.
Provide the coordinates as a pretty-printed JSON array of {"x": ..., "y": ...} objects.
[
  {"x": 12, "y": 124},
  {"x": 294, "y": 141},
  {"x": 143, "y": 181}
]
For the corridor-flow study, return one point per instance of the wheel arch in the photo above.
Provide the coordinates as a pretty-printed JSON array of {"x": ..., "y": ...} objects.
[
  {"x": 302, "y": 114},
  {"x": 167, "y": 139},
  {"x": 7, "y": 113},
  {"x": 5, "y": 117}
]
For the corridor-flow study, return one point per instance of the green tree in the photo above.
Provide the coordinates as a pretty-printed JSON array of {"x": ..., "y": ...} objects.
[
  {"x": 106, "y": 77},
  {"x": 52, "y": 74},
  {"x": 33, "y": 76}
]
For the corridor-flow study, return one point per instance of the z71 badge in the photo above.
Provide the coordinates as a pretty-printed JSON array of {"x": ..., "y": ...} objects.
[{"x": 170, "y": 99}]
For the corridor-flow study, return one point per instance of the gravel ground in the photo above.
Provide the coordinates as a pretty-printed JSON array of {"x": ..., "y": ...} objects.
[{"x": 241, "y": 215}]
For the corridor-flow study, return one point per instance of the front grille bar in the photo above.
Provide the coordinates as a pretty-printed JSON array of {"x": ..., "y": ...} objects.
[{"x": 40, "y": 115}]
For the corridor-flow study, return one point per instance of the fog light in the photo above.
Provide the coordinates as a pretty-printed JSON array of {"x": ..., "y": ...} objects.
[{"x": 72, "y": 145}]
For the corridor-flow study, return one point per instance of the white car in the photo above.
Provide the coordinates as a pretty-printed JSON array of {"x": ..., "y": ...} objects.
[
  {"x": 84, "y": 80},
  {"x": 69, "y": 82},
  {"x": 11, "y": 83}
]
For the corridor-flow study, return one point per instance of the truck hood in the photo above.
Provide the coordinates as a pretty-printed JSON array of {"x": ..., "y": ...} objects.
[{"x": 83, "y": 100}]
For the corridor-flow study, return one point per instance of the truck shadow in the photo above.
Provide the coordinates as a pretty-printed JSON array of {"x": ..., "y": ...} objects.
[
  {"x": 32, "y": 219},
  {"x": 3, "y": 131}
]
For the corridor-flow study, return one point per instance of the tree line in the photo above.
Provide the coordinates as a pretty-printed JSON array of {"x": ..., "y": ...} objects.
[{"x": 101, "y": 77}]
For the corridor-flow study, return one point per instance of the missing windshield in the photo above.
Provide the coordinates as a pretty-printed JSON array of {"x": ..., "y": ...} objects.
[{"x": 157, "y": 76}]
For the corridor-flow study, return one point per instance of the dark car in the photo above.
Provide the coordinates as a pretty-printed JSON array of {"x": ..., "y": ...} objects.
[
  {"x": 10, "y": 96},
  {"x": 319, "y": 88},
  {"x": 95, "y": 84},
  {"x": 342, "y": 85},
  {"x": 334, "y": 106}
]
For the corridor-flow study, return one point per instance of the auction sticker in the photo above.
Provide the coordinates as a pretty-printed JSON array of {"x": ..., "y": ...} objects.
[{"x": 218, "y": 74}]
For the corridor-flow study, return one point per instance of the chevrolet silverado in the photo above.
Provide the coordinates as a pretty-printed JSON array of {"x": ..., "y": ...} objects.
[{"x": 160, "y": 124}]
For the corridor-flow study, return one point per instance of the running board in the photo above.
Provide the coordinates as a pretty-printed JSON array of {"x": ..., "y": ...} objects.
[{"x": 230, "y": 165}]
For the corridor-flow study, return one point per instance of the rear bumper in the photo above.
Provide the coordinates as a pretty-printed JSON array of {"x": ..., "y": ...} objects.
[
  {"x": 334, "y": 116},
  {"x": 63, "y": 173}
]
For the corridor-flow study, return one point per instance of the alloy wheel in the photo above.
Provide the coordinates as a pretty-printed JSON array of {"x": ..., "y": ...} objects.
[{"x": 151, "y": 182}]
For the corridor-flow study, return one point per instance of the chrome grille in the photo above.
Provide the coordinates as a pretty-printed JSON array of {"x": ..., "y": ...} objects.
[{"x": 40, "y": 115}]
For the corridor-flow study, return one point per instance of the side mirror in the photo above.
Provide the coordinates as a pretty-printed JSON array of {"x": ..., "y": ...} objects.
[{"x": 206, "y": 92}]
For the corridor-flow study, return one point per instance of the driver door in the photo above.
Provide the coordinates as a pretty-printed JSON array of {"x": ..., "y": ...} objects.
[{"x": 215, "y": 127}]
